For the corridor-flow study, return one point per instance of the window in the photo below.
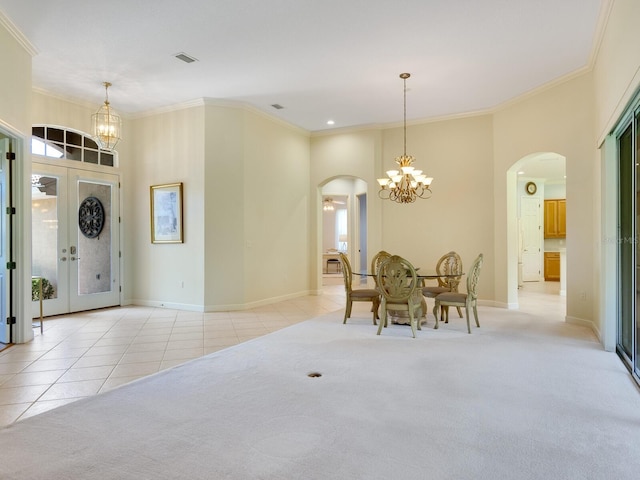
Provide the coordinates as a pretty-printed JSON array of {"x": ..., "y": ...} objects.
[
  {"x": 55, "y": 142},
  {"x": 341, "y": 229}
]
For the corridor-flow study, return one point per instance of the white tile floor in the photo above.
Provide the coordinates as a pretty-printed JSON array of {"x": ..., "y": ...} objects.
[{"x": 87, "y": 353}]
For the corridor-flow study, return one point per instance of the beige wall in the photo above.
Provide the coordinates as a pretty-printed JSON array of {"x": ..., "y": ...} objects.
[
  {"x": 15, "y": 83},
  {"x": 616, "y": 70},
  {"x": 353, "y": 155},
  {"x": 560, "y": 120},
  {"x": 167, "y": 148},
  {"x": 257, "y": 211}
]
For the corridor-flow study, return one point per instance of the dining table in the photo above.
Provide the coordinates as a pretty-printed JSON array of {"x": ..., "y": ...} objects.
[{"x": 402, "y": 317}]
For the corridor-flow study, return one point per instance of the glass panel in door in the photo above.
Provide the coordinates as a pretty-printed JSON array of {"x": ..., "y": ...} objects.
[
  {"x": 94, "y": 239},
  {"x": 49, "y": 251}
]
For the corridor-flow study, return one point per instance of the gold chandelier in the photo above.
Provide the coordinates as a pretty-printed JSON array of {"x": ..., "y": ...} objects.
[
  {"x": 407, "y": 184},
  {"x": 107, "y": 125}
]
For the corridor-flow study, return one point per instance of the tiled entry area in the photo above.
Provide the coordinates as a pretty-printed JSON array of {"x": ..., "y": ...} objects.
[{"x": 86, "y": 353}]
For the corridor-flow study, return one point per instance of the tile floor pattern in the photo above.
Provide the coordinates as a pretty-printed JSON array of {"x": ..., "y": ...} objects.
[{"x": 86, "y": 353}]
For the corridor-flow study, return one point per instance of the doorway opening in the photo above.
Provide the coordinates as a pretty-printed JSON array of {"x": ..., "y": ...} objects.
[
  {"x": 540, "y": 219},
  {"x": 343, "y": 226}
]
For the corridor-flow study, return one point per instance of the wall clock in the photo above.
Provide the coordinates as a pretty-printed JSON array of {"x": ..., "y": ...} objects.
[
  {"x": 91, "y": 217},
  {"x": 531, "y": 188}
]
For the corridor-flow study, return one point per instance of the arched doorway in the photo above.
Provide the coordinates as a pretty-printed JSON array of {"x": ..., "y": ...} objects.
[
  {"x": 539, "y": 197},
  {"x": 343, "y": 225}
]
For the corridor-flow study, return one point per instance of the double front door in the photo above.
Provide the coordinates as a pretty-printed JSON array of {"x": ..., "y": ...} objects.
[{"x": 75, "y": 239}]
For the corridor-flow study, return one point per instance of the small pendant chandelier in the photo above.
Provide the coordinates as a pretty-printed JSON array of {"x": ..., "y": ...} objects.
[
  {"x": 107, "y": 125},
  {"x": 407, "y": 184}
]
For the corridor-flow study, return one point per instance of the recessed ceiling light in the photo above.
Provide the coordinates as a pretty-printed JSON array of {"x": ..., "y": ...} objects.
[
  {"x": 330, "y": 122},
  {"x": 520, "y": 172}
]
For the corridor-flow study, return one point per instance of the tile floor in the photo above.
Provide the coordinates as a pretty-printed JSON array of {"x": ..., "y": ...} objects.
[{"x": 83, "y": 354}]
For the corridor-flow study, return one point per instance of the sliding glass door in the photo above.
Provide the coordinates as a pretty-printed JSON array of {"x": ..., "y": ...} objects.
[{"x": 628, "y": 141}]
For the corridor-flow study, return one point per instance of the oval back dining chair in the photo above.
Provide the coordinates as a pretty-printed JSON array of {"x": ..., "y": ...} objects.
[
  {"x": 467, "y": 300},
  {"x": 376, "y": 261},
  {"x": 357, "y": 295},
  {"x": 449, "y": 264},
  {"x": 398, "y": 283}
]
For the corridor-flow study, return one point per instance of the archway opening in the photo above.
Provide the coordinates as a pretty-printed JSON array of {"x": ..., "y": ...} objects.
[
  {"x": 343, "y": 226},
  {"x": 537, "y": 194}
]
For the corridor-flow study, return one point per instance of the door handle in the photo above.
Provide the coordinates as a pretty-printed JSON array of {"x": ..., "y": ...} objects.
[
  {"x": 63, "y": 259},
  {"x": 74, "y": 258}
]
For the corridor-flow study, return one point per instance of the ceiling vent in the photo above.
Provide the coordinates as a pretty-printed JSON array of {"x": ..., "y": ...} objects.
[
  {"x": 277, "y": 106},
  {"x": 185, "y": 58}
]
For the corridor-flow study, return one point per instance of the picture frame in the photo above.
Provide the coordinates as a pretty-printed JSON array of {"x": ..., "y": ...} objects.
[{"x": 166, "y": 213}]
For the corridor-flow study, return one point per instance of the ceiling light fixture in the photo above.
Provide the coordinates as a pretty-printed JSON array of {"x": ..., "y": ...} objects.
[
  {"x": 328, "y": 205},
  {"x": 106, "y": 122},
  {"x": 407, "y": 184}
]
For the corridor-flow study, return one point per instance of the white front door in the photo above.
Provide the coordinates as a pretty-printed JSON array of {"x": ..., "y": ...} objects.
[
  {"x": 530, "y": 220},
  {"x": 75, "y": 238}
]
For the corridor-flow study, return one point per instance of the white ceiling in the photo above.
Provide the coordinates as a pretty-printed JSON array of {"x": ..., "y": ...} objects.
[{"x": 319, "y": 59}]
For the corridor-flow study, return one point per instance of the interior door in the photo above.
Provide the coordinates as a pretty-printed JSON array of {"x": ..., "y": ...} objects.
[
  {"x": 75, "y": 246},
  {"x": 531, "y": 239}
]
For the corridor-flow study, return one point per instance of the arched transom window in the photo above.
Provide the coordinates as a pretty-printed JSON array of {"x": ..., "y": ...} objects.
[{"x": 64, "y": 143}]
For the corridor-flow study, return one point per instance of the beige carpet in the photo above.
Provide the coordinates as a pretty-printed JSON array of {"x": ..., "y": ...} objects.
[{"x": 523, "y": 397}]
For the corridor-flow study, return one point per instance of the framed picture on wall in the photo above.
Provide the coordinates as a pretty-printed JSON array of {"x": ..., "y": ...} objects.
[{"x": 166, "y": 213}]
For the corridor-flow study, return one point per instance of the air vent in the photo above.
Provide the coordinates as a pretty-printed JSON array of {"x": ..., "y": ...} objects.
[
  {"x": 186, "y": 58},
  {"x": 277, "y": 106}
]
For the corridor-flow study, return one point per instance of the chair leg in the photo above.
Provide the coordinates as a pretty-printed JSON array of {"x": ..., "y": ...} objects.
[
  {"x": 412, "y": 320},
  {"x": 383, "y": 320},
  {"x": 347, "y": 312},
  {"x": 435, "y": 313},
  {"x": 468, "y": 325},
  {"x": 374, "y": 309},
  {"x": 459, "y": 311},
  {"x": 475, "y": 314}
]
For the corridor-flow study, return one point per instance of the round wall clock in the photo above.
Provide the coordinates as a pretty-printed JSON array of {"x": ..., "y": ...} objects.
[
  {"x": 531, "y": 188},
  {"x": 91, "y": 217}
]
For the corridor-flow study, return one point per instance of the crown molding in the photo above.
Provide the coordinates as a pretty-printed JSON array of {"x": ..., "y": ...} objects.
[
  {"x": 69, "y": 99},
  {"x": 217, "y": 102},
  {"x": 18, "y": 35},
  {"x": 603, "y": 20}
]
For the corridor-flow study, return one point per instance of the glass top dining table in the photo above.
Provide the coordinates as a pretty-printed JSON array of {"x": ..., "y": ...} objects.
[{"x": 401, "y": 317}]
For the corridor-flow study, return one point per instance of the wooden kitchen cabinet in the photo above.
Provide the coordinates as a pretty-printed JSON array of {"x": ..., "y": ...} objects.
[
  {"x": 552, "y": 266},
  {"x": 555, "y": 218}
]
